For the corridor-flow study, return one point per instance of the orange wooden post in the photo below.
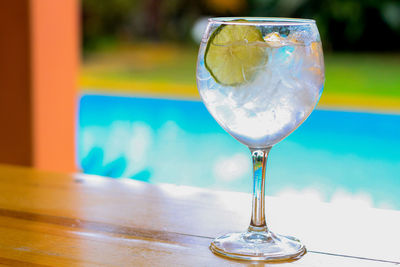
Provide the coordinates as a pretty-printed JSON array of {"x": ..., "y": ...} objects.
[
  {"x": 54, "y": 66},
  {"x": 38, "y": 80}
]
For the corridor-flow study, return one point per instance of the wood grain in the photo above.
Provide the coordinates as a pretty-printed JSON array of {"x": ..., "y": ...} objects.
[{"x": 52, "y": 219}]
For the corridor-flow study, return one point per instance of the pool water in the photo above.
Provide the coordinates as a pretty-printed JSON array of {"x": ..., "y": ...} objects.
[{"x": 334, "y": 155}]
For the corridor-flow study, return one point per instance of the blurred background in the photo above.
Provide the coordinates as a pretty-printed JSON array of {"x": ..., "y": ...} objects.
[{"x": 139, "y": 115}]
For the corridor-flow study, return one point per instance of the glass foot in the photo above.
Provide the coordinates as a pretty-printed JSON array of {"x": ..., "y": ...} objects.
[{"x": 259, "y": 246}]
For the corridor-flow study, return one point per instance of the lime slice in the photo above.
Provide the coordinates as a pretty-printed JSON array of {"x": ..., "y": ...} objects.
[{"x": 234, "y": 53}]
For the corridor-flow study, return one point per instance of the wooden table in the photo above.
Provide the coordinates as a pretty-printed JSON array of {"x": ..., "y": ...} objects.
[{"x": 54, "y": 219}]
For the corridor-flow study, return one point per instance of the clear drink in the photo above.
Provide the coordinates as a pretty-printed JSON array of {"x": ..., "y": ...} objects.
[
  {"x": 260, "y": 78},
  {"x": 281, "y": 93}
]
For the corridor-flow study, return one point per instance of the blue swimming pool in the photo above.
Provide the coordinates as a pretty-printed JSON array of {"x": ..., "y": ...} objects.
[{"x": 333, "y": 155}]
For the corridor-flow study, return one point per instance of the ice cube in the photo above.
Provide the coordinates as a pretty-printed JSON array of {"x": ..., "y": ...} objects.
[
  {"x": 274, "y": 39},
  {"x": 281, "y": 57}
]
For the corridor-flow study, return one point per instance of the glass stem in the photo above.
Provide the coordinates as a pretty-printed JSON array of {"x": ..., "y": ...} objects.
[{"x": 258, "y": 223}]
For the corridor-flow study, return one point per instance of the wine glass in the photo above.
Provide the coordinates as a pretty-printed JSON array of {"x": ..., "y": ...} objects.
[{"x": 260, "y": 78}]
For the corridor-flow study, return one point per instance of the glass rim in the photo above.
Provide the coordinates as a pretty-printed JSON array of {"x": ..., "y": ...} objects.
[{"x": 277, "y": 21}]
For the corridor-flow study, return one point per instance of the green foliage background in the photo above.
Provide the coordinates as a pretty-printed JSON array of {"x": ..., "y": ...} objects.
[{"x": 345, "y": 25}]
